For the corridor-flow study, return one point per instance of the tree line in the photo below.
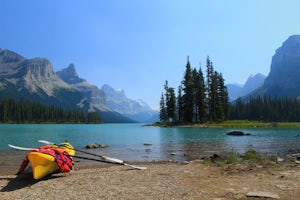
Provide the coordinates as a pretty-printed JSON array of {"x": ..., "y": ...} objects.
[
  {"x": 266, "y": 109},
  {"x": 13, "y": 111},
  {"x": 198, "y": 100}
]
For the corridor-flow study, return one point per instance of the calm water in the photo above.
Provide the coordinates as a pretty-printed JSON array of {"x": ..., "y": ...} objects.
[{"x": 127, "y": 141}]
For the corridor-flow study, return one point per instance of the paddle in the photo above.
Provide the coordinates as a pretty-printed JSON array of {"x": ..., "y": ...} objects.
[
  {"x": 80, "y": 157},
  {"x": 21, "y": 148},
  {"x": 105, "y": 158}
]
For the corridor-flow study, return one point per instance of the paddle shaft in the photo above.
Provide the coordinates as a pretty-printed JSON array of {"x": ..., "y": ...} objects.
[
  {"x": 97, "y": 160},
  {"x": 93, "y": 154},
  {"x": 105, "y": 158}
]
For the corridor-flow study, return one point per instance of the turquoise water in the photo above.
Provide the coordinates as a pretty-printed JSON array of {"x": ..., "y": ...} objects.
[{"x": 127, "y": 141}]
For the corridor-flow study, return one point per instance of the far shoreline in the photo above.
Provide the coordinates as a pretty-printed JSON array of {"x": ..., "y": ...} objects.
[{"x": 230, "y": 124}]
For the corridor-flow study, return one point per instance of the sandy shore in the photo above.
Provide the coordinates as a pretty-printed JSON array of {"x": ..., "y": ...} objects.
[{"x": 163, "y": 180}]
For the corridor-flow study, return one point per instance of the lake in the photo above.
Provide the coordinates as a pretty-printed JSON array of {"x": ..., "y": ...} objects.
[{"x": 135, "y": 142}]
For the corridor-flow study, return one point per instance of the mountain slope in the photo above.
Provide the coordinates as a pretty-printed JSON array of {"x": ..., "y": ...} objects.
[
  {"x": 252, "y": 83},
  {"x": 137, "y": 110},
  {"x": 283, "y": 79},
  {"x": 93, "y": 95},
  {"x": 234, "y": 91},
  {"x": 35, "y": 80}
]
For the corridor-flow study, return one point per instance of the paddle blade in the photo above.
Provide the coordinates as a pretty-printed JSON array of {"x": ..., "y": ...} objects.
[
  {"x": 112, "y": 159},
  {"x": 135, "y": 167},
  {"x": 45, "y": 142},
  {"x": 21, "y": 148}
]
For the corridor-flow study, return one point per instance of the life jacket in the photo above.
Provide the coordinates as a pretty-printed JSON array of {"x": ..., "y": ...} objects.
[{"x": 62, "y": 158}]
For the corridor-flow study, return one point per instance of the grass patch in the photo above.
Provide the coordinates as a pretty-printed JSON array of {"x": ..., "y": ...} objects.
[
  {"x": 250, "y": 157},
  {"x": 231, "y": 157}
]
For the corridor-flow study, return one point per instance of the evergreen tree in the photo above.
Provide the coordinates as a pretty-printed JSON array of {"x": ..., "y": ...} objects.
[
  {"x": 199, "y": 96},
  {"x": 170, "y": 102},
  {"x": 12, "y": 111},
  {"x": 162, "y": 109},
  {"x": 171, "y": 105},
  {"x": 188, "y": 96},
  {"x": 222, "y": 98},
  {"x": 211, "y": 88},
  {"x": 197, "y": 100},
  {"x": 180, "y": 107}
]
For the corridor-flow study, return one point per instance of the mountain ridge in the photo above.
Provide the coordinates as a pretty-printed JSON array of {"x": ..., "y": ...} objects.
[
  {"x": 137, "y": 110},
  {"x": 35, "y": 80},
  {"x": 253, "y": 82},
  {"x": 108, "y": 98}
]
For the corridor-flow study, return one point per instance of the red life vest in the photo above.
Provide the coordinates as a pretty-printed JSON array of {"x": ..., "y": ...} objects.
[{"x": 62, "y": 158}]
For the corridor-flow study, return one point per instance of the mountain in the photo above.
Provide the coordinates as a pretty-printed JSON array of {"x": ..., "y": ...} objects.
[
  {"x": 284, "y": 77},
  {"x": 137, "y": 110},
  {"x": 234, "y": 90},
  {"x": 252, "y": 83},
  {"x": 107, "y": 98},
  {"x": 35, "y": 80},
  {"x": 93, "y": 94}
]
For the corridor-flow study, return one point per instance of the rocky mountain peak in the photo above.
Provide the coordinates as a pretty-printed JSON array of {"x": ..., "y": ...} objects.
[
  {"x": 7, "y": 56},
  {"x": 113, "y": 93},
  {"x": 253, "y": 82},
  {"x": 39, "y": 68},
  {"x": 69, "y": 75},
  {"x": 137, "y": 110},
  {"x": 285, "y": 68}
]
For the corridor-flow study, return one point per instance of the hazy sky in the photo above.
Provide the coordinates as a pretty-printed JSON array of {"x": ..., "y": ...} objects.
[{"x": 138, "y": 44}]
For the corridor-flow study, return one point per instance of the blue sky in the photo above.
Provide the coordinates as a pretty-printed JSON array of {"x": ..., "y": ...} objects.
[{"x": 137, "y": 44}]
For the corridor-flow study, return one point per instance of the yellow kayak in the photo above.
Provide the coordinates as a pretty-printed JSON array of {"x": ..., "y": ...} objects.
[{"x": 44, "y": 164}]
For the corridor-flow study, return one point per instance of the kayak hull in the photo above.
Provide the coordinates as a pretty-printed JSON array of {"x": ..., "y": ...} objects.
[{"x": 43, "y": 164}]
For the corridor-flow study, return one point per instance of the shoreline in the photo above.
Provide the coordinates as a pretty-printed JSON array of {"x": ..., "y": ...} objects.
[
  {"x": 236, "y": 124},
  {"x": 161, "y": 180},
  {"x": 11, "y": 160}
]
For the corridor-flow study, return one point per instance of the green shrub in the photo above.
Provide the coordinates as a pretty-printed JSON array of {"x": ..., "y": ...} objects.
[{"x": 230, "y": 157}]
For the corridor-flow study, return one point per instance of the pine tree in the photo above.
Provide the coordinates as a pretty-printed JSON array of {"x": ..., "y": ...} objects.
[
  {"x": 197, "y": 100},
  {"x": 170, "y": 102},
  {"x": 188, "y": 96},
  {"x": 222, "y": 99},
  {"x": 171, "y": 105},
  {"x": 162, "y": 109},
  {"x": 211, "y": 90},
  {"x": 180, "y": 105},
  {"x": 199, "y": 96}
]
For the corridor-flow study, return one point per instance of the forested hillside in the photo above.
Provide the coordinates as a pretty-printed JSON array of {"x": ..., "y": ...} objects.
[
  {"x": 12, "y": 111},
  {"x": 266, "y": 109}
]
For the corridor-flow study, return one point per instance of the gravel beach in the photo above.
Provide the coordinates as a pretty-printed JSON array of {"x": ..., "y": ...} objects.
[{"x": 161, "y": 180}]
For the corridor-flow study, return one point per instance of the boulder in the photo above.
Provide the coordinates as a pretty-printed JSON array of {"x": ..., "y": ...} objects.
[
  {"x": 236, "y": 133},
  {"x": 95, "y": 146},
  {"x": 92, "y": 146}
]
